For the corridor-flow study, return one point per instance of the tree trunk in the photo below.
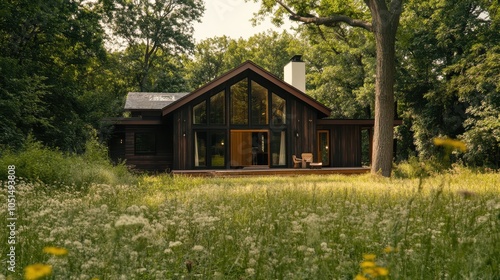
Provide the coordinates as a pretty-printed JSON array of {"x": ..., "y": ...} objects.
[{"x": 384, "y": 28}]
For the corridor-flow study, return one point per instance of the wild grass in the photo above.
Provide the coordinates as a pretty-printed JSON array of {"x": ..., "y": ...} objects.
[
  {"x": 37, "y": 163},
  {"x": 312, "y": 227}
]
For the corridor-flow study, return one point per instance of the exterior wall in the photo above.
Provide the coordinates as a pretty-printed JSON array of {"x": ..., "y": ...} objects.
[
  {"x": 116, "y": 144},
  {"x": 161, "y": 160},
  {"x": 181, "y": 135},
  {"x": 302, "y": 121},
  {"x": 345, "y": 145}
]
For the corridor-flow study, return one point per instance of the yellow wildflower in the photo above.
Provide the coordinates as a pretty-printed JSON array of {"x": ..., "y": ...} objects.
[
  {"x": 381, "y": 271},
  {"x": 388, "y": 249},
  {"x": 56, "y": 251},
  {"x": 370, "y": 272},
  {"x": 360, "y": 277},
  {"x": 450, "y": 143},
  {"x": 37, "y": 271},
  {"x": 369, "y": 257},
  {"x": 367, "y": 264}
]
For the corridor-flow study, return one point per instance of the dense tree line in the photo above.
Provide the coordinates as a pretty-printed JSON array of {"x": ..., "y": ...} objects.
[{"x": 66, "y": 65}]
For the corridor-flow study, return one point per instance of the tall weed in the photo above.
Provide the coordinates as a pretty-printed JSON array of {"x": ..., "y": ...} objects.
[{"x": 40, "y": 164}]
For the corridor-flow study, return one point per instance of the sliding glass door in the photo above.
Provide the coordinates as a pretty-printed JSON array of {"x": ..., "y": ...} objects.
[
  {"x": 209, "y": 149},
  {"x": 249, "y": 148}
]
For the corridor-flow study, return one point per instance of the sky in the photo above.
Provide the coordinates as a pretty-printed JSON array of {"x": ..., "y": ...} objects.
[{"x": 231, "y": 18}]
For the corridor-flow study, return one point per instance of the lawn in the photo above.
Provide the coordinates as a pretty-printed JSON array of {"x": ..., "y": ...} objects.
[{"x": 308, "y": 227}]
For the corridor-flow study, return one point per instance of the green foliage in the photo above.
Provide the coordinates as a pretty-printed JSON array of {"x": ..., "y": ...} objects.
[
  {"x": 479, "y": 86},
  {"x": 37, "y": 163},
  {"x": 155, "y": 32},
  {"x": 45, "y": 49},
  {"x": 341, "y": 71},
  {"x": 414, "y": 168},
  {"x": 22, "y": 106},
  {"x": 449, "y": 75},
  {"x": 215, "y": 56}
]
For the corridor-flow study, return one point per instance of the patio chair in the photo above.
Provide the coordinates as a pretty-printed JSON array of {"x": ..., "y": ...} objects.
[
  {"x": 296, "y": 161},
  {"x": 306, "y": 158}
]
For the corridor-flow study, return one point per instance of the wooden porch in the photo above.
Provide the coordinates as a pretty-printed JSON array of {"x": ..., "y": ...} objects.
[{"x": 272, "y": 172}]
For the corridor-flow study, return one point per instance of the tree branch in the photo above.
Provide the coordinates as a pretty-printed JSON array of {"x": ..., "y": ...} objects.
[
  {"x": 324, "y": 38},
  {"x": 327, "y": 21},
  {"x": 396, "y": 7}
]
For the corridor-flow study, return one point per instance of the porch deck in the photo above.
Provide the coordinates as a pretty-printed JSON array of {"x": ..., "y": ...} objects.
[{"x": 272, "y": 172}]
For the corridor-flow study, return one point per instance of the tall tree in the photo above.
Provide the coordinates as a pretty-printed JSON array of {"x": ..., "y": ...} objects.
[
  {"x": 448, "y": 53},
  {"x": 214, "y": 56},
  {"x": 152, "y": 28},
  {"x": 384, "y": 23},
  {"x": 46, "y": 47}
]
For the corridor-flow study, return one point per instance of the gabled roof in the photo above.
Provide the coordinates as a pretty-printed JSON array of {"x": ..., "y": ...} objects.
[
  {"x": 151, "y": 100},
  {"x": 248, "y": 65}
]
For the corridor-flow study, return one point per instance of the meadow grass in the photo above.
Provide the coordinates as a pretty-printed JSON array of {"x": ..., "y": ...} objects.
[{"x": 306, "y": 227}]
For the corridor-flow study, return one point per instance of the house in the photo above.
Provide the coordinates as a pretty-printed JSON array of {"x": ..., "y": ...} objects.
[{"x": 245, "y": 118}]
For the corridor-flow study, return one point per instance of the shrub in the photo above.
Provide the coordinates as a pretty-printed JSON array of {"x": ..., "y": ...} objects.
[{"x": 37, "y": 163}]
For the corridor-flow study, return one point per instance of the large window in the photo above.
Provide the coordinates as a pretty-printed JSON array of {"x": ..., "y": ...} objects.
[
  {"x": 239, "y": 102},
  {"x": 209, "y": 149},
  {"x": 278, "y": 148},
  {"x": 240, "y": 124},
  {"x": 218, "y": 108},
  {"x": 200, "y": 113},
  {"x": 200, "y": 149},
  {"x": 218, "y": 149},
  {"x": 145, "y": 143},
  {"x": 278, "y": 109},
  {"x": 259, "y": 103}
]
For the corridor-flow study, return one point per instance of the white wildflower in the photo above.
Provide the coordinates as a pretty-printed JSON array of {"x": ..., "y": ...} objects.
[
  {"x": 168, "y": 251},
  {"x": 324, "y": 247},
  {"x": 198, "y": 248},
  {"x": 250, "y": 271},
  {"x": 174, "y": 244},
  {"x": 134, "y": 209},
  {"x": 310, "y": 251},
  {"x": 127, "y": 220},
  {"x": 134, "y": 256},
  {"x": 302, "y": 248},
  {"x": 254, "y": 252},
  {"x": 252, "y": 262}
]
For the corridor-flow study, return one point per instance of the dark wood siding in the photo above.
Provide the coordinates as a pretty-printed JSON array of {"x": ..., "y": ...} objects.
[
  {"x": 302, "y": 123},
  {"x": 161, "y": 160},
  {"x": 345, "y": 143},
  {"x": 116, "y": 145},
  {"x": 182, "y": 132}
]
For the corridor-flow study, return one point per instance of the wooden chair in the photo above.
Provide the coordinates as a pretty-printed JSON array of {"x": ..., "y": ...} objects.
[
  {"x": 306, "y": 158},
  {"x": 296, "y": 161}
]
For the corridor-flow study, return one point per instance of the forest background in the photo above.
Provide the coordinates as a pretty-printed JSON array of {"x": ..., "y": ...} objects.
[{"x": 67, "y": 65}]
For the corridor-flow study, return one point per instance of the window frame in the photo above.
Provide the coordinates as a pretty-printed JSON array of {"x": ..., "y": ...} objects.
[{"x": 151, "y": 150}]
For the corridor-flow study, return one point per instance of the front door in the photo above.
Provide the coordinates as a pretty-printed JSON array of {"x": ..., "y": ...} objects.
[
  {"x": 323, "y": 147},
  {"x": 249, "y": 148}
]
